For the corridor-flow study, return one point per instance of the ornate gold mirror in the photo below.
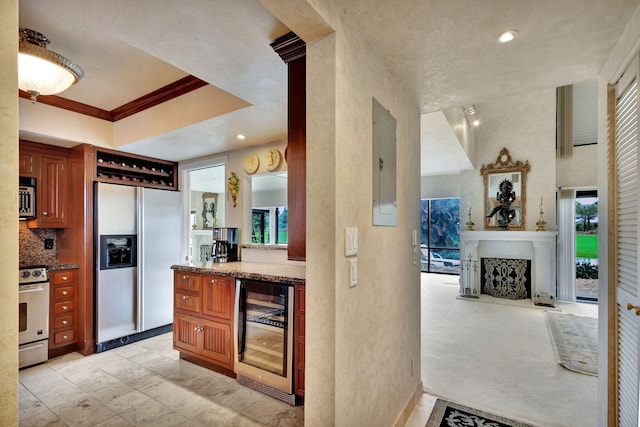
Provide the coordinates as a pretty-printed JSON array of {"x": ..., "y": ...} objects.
[{"x": 504, "y": 192}]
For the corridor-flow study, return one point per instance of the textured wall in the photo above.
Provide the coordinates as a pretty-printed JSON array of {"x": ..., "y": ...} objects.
[
  {"x": 526, "y": 126},
  {"x": 361, "y": 341},
  {"x": 9, "y": 213}
]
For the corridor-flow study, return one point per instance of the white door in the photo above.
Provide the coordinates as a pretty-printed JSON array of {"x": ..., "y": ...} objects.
[{"x": 623, "y": 245}]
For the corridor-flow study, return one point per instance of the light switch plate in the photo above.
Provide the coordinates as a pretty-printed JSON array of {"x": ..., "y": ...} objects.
[
  {"x": 353, "y": 272},
  {"x": 350, "y": 241}
]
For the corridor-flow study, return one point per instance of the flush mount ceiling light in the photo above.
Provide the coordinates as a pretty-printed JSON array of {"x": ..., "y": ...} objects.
[
  {"x": 42, "y": 71},
  {"x": 507, "y": 36},
  {"x": 241, "y": 136}
]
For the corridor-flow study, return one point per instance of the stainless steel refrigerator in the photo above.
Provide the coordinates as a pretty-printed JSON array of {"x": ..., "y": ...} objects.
[{"x": 137, "y": 241}]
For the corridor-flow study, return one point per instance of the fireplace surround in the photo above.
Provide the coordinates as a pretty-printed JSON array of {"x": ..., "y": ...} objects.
[{"x": 537, "y": 246}]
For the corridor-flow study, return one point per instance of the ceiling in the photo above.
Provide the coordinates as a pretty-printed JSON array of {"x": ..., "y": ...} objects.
[{"x": 443, "y": 52}]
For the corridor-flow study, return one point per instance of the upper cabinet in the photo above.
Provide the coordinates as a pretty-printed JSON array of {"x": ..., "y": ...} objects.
[{"x": 49, "y": 166}]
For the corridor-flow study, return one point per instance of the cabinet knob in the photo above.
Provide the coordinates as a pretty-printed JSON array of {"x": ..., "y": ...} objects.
[
  {"x": 64, "y": 322},
  {"x": 64, "y": 307},
  {"x": 214, "y": 280},
  {"x": 45, "y": 213},
  {"x": 185, "y": 297},
  {"x": 64, "y": 292},
  {"x": 65, "y": 278},
  {"x": 64, "y": 337},
  {"x": 198, "y": 329},
  {"x": 185, "y": 277}
]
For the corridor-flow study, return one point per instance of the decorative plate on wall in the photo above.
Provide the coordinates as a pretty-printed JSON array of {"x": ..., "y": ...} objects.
[
  {"x": 251, "y": 163},
  {"x": 273, "y": 159}
]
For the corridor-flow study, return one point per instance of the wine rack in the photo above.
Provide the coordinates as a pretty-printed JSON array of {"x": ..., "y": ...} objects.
[{"x": 140, "y": 171}]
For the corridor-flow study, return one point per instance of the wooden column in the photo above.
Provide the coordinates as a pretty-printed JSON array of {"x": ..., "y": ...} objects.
[{"x": 292, "y": 50}]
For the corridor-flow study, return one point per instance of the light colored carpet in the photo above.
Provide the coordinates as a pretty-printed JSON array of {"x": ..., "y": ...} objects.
[{"x": 575, "y": 341}]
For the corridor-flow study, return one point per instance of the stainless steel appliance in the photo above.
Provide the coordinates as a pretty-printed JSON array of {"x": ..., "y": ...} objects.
[
  {"x": 27, "y": 198},
  {"x": 264, "y": 340},
  {"x": 225, "y": 244},
  {"x": 137, "y": 241},
  {"x": 33, "y": 316}
]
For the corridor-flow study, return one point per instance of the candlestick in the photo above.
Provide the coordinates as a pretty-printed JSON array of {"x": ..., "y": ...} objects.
[{"x": 469, "y": 223}]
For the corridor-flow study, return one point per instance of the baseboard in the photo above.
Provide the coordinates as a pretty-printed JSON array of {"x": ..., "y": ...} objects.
[{"x": 409, "y": 406}]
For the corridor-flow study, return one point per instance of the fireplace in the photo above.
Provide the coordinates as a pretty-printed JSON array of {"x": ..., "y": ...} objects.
[
  {"x": 506, "y": 278},
  {"x": 538, "y": 247}
]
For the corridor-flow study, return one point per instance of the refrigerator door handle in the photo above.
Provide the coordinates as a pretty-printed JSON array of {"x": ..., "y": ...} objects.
[{"x": 140, "y": 258}]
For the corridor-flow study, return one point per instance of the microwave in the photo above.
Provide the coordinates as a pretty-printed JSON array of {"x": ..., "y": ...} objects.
[{"x": 27, "y": 198}]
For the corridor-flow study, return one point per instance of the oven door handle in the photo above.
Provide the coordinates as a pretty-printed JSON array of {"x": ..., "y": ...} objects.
[
  {"x": 32, "y": 347},
  {"x": 24, "y": 291}
]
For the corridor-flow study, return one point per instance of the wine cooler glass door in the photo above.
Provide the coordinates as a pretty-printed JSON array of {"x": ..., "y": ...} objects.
[{"x": 264, "y": 328}]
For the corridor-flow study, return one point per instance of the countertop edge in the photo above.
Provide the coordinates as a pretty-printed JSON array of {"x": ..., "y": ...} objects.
[
  {"x": 67, "y": 266},
  {"x": 231, "y": 269}
]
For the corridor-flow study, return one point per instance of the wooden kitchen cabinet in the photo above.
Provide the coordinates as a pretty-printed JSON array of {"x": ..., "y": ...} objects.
[
  {"x": 49, "y": 166},
  {"x": 28, "y": 163},
  {"x": 299, "y": 340},
  {"x": 63, "y": 317},
  {"x": 203, "y": 319},
  {"x": 52, "y": 192}
]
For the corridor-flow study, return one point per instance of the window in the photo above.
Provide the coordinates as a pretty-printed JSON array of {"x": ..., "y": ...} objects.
[
  {"x": 587, "y": 245},
  {"x": 440, "y": 235}
]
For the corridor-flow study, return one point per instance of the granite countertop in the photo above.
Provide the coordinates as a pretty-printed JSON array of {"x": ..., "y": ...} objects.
[
  {"x": 68, "y": 266},
  {"x": 281, "y": 273}
]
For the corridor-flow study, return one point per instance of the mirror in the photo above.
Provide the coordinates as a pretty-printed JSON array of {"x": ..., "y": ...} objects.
[
  {"x": 269, "y": 209},
  {"x": 504, "y": 192}
]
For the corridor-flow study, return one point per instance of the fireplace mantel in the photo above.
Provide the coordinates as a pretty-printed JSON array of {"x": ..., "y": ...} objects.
[{"x": 537, "y": 246}]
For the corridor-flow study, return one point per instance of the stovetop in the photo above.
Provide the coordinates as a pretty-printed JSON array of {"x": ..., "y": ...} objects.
[{"x": 33, "y": 274}]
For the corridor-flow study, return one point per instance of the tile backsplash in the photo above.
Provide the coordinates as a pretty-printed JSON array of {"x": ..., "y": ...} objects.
[{"x": 31, "y": 246}]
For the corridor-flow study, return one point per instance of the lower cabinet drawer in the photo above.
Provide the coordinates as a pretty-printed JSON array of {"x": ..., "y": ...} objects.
[
  {"x": 187, "y": 302},
  {"x": 62, "y": 322},
  {"x": 64, "y": 336},
  {"x": 63, "y": 292},
  {"x": 63, "y": 307}
]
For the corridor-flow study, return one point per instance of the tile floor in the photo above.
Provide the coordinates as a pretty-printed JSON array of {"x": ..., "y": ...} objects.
[{"x": 142, "y": 384}]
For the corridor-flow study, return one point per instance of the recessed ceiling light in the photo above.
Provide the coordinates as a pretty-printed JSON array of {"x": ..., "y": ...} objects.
[
  {"x": 241, "y": 136},
  {"x": 508, "y": 36}
]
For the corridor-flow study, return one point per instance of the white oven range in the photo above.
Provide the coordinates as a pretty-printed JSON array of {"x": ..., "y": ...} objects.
[{"x": 33, "y": 315}]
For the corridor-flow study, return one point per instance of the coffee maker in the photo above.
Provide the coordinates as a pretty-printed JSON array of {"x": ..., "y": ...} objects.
[{"x": 225, "y": 244}]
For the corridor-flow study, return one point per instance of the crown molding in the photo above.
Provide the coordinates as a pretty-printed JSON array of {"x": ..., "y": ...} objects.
[{"x": 164, "y": 94}]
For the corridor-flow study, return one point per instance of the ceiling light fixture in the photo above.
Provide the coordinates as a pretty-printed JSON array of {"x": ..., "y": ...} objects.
[
  {"x": 470, "y": 114},
  {"x": 241, "y": 136},
  {"x": 507, "y": 36},
  {"x": 42, "y": 71}
]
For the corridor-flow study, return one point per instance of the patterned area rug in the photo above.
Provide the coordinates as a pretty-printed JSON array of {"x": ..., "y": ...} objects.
[
  {"x": 450, "y": 414},
  {"x": 575, "y": 341}
]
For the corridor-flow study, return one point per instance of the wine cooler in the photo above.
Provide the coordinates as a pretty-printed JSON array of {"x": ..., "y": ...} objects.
[{"x": 264, "y": 340}]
